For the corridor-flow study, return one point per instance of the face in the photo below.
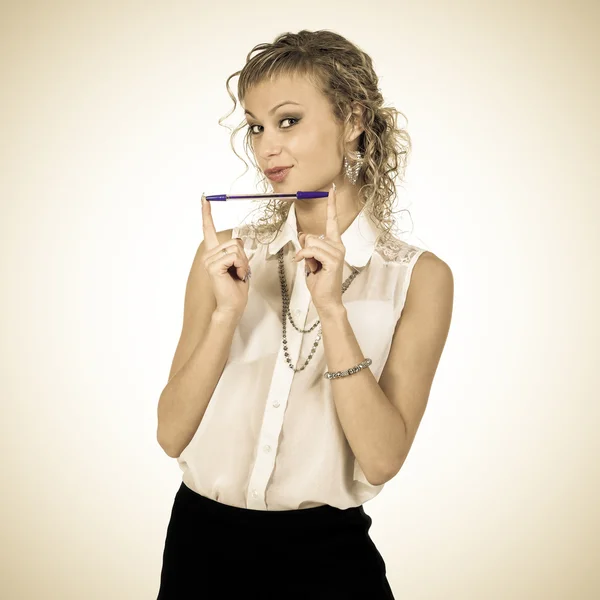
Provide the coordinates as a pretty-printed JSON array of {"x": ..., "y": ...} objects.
[{"x": 304, "y": 136}]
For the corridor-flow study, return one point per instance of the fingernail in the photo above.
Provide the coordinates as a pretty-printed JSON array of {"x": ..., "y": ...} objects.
[
  {"x": 334, "y": 186},
  {"x": 203, "y": 199}
]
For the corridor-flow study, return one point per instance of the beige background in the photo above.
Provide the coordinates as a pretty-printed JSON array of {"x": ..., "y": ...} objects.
[{"x": 109, "y": 135}]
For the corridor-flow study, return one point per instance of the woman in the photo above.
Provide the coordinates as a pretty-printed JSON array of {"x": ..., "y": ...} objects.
[{"x": 279, "y": 456}]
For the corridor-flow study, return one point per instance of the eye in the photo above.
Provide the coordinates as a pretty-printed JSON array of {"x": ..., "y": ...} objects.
[{"x": 252, "y": 132}]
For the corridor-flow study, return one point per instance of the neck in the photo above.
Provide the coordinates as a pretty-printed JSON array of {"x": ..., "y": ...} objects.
[{"x": 311, "y": 215}]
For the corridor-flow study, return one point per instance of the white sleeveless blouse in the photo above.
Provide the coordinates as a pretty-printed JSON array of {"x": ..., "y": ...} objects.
[{"x": 270, "y": 438}]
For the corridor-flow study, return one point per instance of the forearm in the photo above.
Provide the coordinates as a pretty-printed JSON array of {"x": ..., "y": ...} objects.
[
  {"x": 184, "y": 400},
  {"x": 373, "y": 426}
]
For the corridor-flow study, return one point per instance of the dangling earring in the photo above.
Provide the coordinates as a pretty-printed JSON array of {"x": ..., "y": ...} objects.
[{"x": 352, "y": 171}]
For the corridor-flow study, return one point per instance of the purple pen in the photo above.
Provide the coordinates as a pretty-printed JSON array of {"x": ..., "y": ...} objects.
[{"x": 296, "y": 196}]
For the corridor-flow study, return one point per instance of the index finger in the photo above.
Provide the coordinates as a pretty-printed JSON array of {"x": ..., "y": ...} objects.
[
  {"x": 332, "y": 230},
  {"x": 208, "y": 227}
]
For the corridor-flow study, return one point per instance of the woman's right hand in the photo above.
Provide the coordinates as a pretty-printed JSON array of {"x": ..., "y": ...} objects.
[{"x": 227, "y": 271}]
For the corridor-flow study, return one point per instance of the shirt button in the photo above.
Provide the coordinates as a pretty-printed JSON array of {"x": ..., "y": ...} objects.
[
  {"x": 267, "y": 448},
  {"x": 276, "y": 404},
  {"x": 297, "y": 312},
  {"x": 255, "y": 493}
]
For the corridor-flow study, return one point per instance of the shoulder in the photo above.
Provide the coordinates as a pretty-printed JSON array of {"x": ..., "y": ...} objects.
[
  {"x": 430, "y": 276},
  {"x": 431, "y": 280},
  {"x": 400, "y": 251},
  {"x": 395, "y": 250}
]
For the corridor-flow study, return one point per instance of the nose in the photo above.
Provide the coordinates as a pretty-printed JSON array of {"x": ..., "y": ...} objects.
[{"x": 268, "y": 146}]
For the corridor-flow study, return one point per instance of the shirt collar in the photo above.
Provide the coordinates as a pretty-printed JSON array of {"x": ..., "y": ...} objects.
[{"x": 359, "y": 239}]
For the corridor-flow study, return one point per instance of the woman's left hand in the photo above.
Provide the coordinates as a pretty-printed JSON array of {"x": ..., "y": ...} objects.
[{"x": 324, "y": 261}]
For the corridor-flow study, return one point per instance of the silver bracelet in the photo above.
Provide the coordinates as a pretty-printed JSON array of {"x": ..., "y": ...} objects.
[{"x": 365, "y": 363}]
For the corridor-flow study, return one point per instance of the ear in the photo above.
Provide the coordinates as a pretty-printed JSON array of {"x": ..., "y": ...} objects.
[{"x": 355, "y": 127}]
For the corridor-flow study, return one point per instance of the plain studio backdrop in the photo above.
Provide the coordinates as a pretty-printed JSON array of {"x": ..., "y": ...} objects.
[{"x": 109, "y": 134}]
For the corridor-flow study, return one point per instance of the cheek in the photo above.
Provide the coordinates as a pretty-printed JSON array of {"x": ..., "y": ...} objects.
[{"x": 318, "y": 149}]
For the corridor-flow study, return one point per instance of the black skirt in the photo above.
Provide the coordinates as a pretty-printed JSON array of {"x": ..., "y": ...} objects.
[{"x": 216, "y": 551}]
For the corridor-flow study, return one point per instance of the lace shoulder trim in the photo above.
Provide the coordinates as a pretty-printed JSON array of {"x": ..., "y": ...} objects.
[
  {"x": 395, "y": 250},
  {"x": 247, "y": 234}
]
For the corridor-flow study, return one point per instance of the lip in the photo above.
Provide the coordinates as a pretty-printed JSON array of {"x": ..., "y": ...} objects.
[
  {"x": 277, "y": 173},
  {"x": 277, "y": 168}
]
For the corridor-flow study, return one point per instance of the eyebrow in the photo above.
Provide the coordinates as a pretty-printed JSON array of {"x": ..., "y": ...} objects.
[{"x": 247, "y": 112}]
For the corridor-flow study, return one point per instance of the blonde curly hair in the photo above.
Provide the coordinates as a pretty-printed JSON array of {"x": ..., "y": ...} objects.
[{"x": 345, "y": 75}]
